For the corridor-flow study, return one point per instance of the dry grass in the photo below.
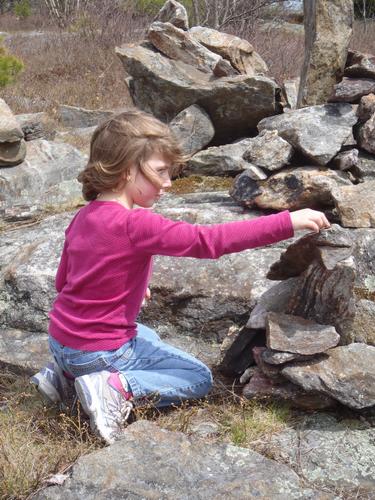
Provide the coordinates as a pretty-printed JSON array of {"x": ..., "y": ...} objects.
[
  {"x": 200, "y": 183},
  {"x": 35, "y": 441}
]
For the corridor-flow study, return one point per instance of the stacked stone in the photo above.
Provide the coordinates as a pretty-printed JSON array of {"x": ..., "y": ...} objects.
[
  {"x": 12, "y": 144},
  {"x": 219, "y": 74},
  {"x": 305, "y": 318}
]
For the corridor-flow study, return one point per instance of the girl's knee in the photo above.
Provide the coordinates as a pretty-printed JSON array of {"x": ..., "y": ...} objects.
[{"x": 205, "y": 385}]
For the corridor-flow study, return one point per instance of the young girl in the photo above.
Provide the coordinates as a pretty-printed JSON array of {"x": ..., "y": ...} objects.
[{"x": 105, "y": 269}]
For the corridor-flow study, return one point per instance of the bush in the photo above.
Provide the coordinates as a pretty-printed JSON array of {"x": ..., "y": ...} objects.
[
  {"x": 10, "y": 66},
  {"x": 22, "y": 9}
]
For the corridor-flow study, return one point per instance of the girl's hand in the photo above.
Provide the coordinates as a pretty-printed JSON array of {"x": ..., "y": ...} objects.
[
  {"x": 309, "y": 219},
  {"x": 147, "y": 297}
]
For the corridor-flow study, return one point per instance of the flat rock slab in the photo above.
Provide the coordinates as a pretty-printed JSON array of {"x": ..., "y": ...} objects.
[
  {"x": 289, "y": 333},
  {"x": 356, "y": 204},
  {"x": 346, "y": 373},
  {"x": 318, "y": 132},
  {"x": 262, "y": 387},
  {"x": 149, "y": 462},
  {"x": 336, "y": 453}
]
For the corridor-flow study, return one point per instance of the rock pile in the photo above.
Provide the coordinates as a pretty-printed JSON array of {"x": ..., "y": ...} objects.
[
  {"x": 222, "y": 74},
  {"x": 306, "y": 317}
]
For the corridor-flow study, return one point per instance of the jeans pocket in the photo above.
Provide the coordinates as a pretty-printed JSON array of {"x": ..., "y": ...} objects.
[{"x": 78, "y": 366}]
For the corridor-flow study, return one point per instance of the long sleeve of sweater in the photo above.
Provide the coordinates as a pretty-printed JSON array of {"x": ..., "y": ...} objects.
[{"x": 152, "y": 234}]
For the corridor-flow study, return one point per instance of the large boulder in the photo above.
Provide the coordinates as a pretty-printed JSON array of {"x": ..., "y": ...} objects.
[
  {"x": 318, "y": 132},
  {"x": 240, "y": 53},
  {"x": 165, "y": 87},
  {"x": 47, "y": 177},
  {"x": 197, "y": 298},
  {"x": 179, "y": 45},
  {"x": 328, "y": 29},
  {"x": 186, "y": 467}
]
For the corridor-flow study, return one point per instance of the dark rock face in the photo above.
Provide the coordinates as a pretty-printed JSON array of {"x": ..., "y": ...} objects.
[{"x": 346, "y": 373}]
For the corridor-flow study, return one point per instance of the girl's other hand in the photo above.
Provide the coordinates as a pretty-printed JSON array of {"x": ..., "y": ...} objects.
[
  {"x": 309, "y": 219},
  {"x": 147, "y": 297}
]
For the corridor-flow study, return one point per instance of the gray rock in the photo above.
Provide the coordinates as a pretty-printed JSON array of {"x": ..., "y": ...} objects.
[
  {"x": 224, "y": 160},
  {"x": 179, "y": 45},
  {"x": 165, "y": 87},
  {"x": 318, "y": 132},
  {"x": 47, "y": 177},
  {"x": 186, "y": 467},
  {"x": 10, "y": 131},
  {"x": 290, "y": 88},
  {"x": 366, "y": 137},
  {"x": 175, "y": 13},
  {"x": 338, "y": 453},
  {"x": 302, "y": 187},
  {"x": 286, "y": 332},
  {"x": 366, "y": 107},
  {"x": 12, "y": 153},
  {"x": 193, "y": 128},
  {"x": 365, "y": 169},
  {"x": 72, "y": 116},
  {"x": 328, "y": 29},
  {"x": 279, "y": 358},
  {"x": 275, "y": 299},
  {"x": 345, "y": 373},
  {"x": 260, "y": 386},
  {"x": 352, "y": 89},
  {"x": 346, "y": 159},
  {"x": 356, "y": 204},
  {"x": 269, "y": 151},
  {"x": 240, "y": 53},
  {"x": 360, "y": 65},
  {"x": 33, "y": 125},
  {"x": 363, "y": 328}
]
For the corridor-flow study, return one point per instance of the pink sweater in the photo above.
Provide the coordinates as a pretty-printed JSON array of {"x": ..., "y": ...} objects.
[{"x": 106, "y": 262}]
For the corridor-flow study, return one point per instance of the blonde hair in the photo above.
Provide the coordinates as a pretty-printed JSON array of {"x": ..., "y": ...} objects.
[{"x": 129, "y": 138}]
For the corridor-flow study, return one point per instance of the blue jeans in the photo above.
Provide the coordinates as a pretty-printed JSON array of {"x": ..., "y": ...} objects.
[{"x": 153, "y": 369}]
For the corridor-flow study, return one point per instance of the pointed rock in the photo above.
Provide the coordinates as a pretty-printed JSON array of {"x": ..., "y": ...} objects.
[{"x": 175, "y": 13}]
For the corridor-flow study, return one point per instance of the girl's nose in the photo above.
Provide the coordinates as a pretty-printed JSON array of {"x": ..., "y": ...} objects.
[{"x": 167, "y": 183}]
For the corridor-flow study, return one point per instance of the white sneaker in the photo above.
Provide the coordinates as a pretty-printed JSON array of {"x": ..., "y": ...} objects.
[
  {"x": 53, "y": 385},
  {"x": 106, "y": 406}
]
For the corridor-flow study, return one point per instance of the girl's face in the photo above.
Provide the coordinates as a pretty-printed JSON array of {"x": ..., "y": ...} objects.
[{"x": 140, "y": 191}]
